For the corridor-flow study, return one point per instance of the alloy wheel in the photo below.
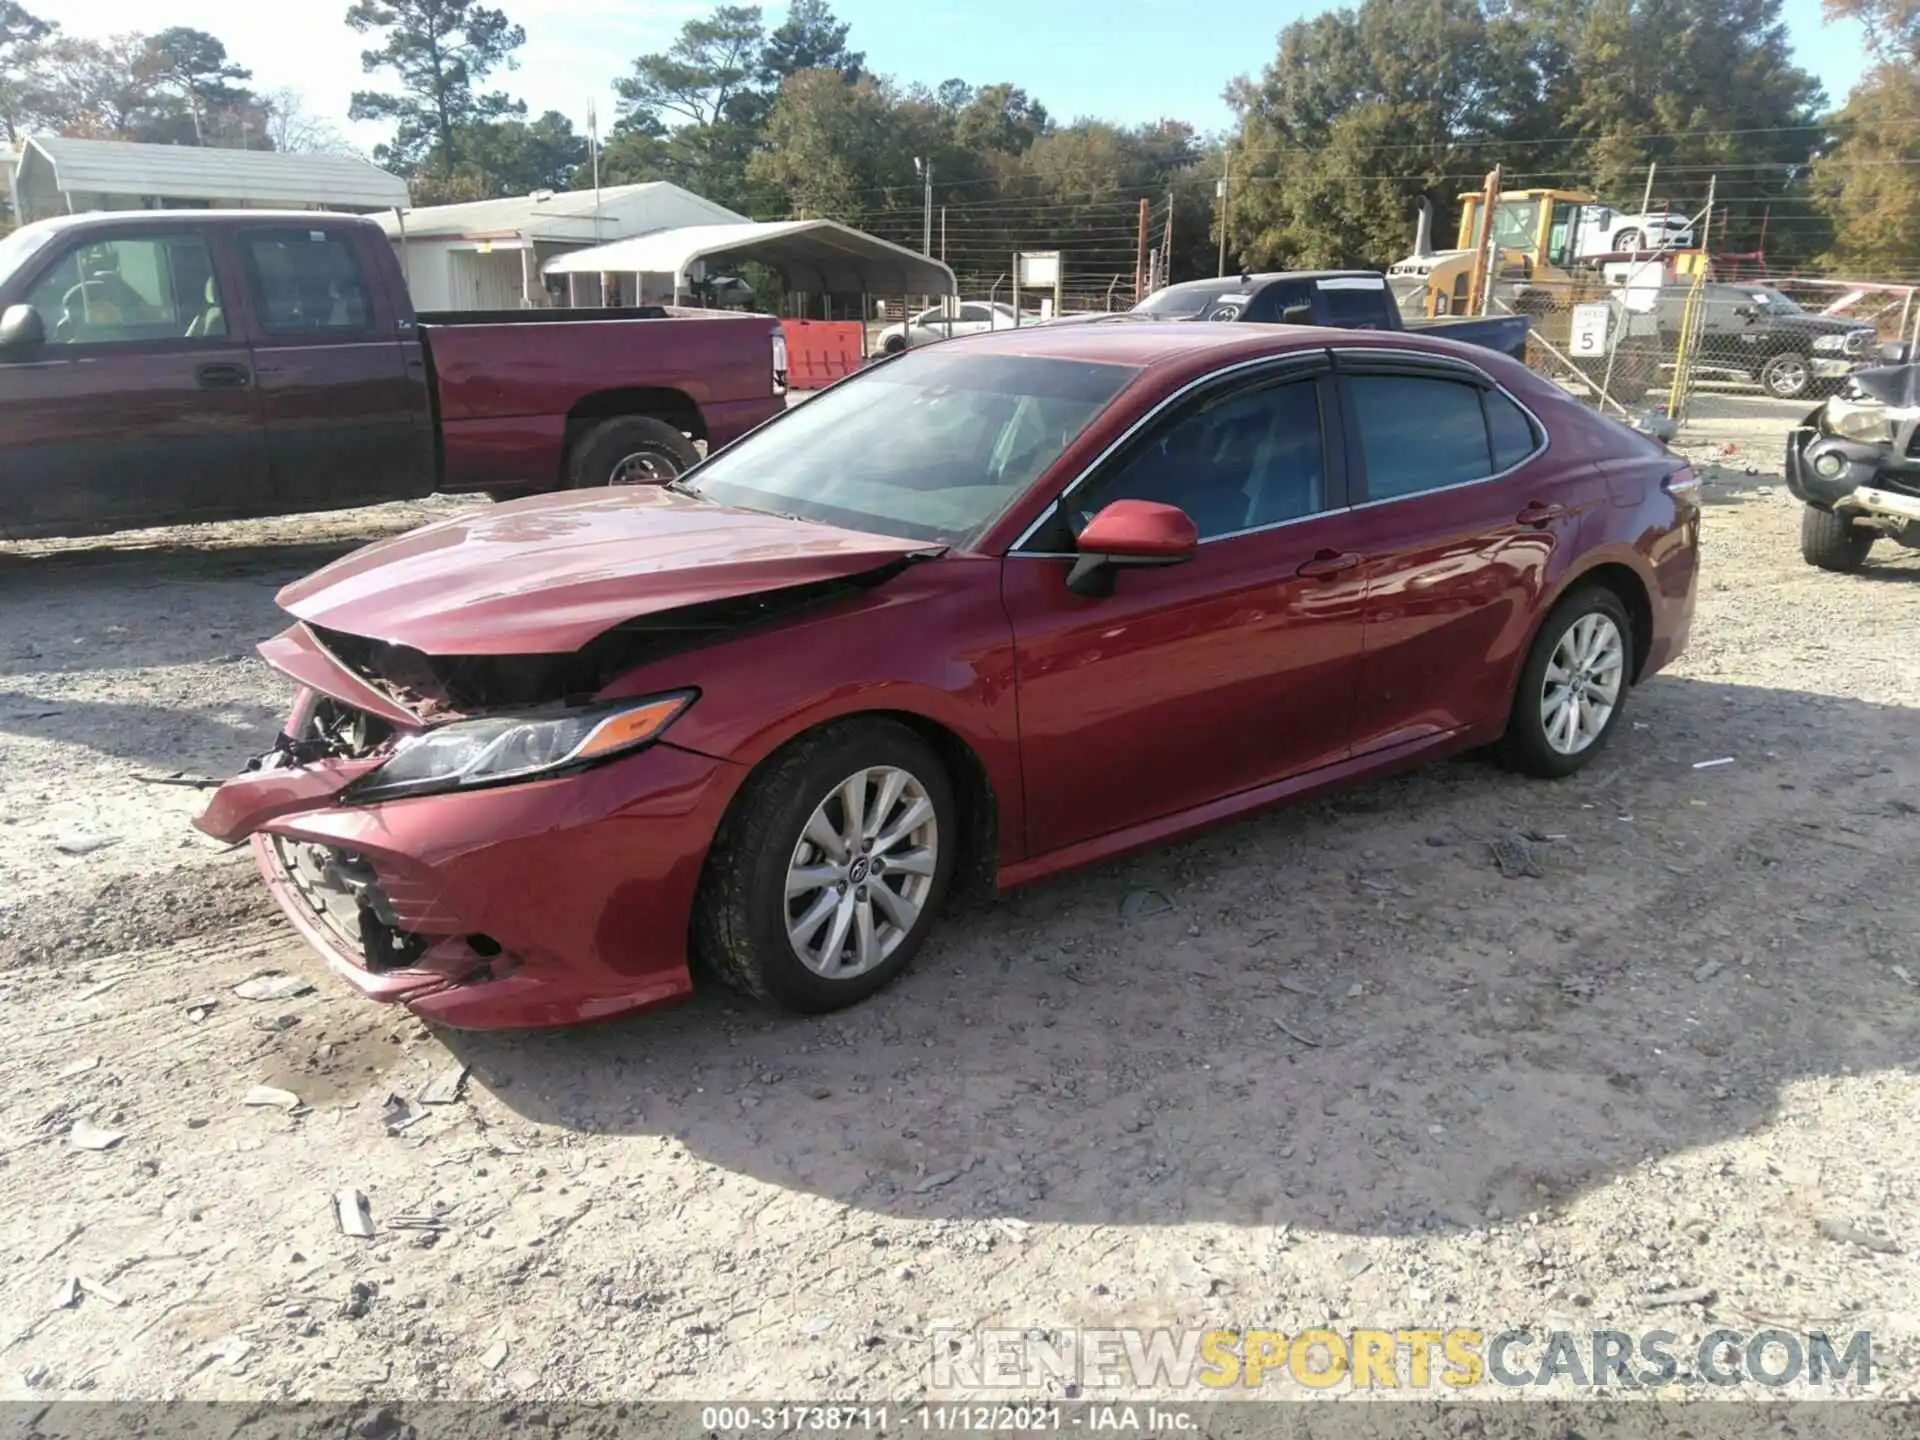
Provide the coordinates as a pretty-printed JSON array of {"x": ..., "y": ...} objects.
[
  {"x": 1583, "y": 683},
  {"x": 861, "y": 872},
  {"x": 1787, "y": 377}
]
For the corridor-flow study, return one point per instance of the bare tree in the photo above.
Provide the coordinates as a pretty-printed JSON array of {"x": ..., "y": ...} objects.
[{"x": 294, "y": 128}]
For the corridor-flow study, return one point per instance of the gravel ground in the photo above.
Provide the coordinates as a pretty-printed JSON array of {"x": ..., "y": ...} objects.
[{"x": 1327, "y": 1066}]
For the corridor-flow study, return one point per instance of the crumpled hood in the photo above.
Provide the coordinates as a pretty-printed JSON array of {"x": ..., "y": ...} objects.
[{"x": 547, "y": 574}]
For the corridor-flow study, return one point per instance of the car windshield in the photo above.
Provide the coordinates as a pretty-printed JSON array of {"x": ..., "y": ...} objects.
[
  {"x": 931, "y": 446},
  {"x": 19, "y": 247}
]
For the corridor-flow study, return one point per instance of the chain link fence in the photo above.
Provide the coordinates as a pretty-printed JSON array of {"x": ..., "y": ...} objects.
[{"x": 1640, "y": 351}]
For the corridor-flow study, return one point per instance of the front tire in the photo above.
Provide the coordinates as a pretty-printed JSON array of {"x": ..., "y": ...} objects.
[
  {"x": 630, "y": 450},
  {"x": 1788, "y": 376},
  {"x": 830, "y": 868},
  {"x": 1830, "y": 541},
  {"x": 1572, "y": 688}
]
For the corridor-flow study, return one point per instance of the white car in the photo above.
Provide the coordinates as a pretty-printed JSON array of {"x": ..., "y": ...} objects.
[
  {"x": 1606, "y": 231},
  {"x": 970, "y": 317}
]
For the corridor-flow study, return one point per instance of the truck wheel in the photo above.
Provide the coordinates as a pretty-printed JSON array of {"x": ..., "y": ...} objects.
[
  {"x": 629, "y": 450},
  {"x": 1831, "y": 541},
  {"x": 1787, "y": 377}
]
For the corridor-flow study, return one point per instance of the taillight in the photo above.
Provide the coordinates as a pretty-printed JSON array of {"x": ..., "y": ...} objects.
[
  {"x": 779, "y": 362},
  {"x": 1682, "y": 482}
]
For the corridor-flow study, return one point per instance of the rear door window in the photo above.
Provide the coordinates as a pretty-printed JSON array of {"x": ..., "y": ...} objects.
[
  {"x": 1419, "y": 433},
  {"x": 306, "y": 282}
]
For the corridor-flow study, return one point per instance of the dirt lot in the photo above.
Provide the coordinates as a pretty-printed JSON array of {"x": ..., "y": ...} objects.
[{"x": 1326, "y": 1066}]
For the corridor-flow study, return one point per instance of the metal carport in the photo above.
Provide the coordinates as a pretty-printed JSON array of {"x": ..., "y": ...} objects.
[{"x": 817, "y": 257}]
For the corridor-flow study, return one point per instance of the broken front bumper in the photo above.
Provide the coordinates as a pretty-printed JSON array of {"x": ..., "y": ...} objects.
[
  {"x": 1869, "y": 477},
  {"x": 539, "y": 904}
]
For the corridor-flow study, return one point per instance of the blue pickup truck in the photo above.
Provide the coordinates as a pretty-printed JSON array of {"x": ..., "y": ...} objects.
[{"x": 1345, "y": 299}]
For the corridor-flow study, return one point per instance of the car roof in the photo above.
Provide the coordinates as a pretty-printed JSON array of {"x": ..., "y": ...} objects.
[
  {"x": 1142, "y": 342},
  {"x": 1157, "y": 343},
  {"x": 104, "y": 219}
]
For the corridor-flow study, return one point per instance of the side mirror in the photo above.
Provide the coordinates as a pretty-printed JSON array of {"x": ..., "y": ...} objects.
[
  {"x": 1297, "y": 315},
  {"x": 21, "y": 328},
  {"x": 1130, "y": 533},
  {"x": 1896, "y": 352}
]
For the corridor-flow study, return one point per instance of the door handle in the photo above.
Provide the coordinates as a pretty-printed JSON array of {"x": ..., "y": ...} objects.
[
  {"x": 223, "y": 377},
  {"x": 1537, "y": 514},
  {"x": 1328, "y": 563}
]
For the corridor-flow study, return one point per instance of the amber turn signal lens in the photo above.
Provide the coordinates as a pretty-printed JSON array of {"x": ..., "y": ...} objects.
[{"x": 632, "y": 727}]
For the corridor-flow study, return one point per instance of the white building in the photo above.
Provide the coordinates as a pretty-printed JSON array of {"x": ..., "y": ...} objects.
[
  {"x": 58, "y": 176},
  {"x": 489, "y": 254}
]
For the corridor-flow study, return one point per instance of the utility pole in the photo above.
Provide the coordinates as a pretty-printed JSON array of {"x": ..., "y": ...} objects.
[
  {"x": 1165, "y": 268},
  {"x": 924, "y": 167},
  {"x": 1140, "y": 257},
  {"x": 1220, "y": 194}
]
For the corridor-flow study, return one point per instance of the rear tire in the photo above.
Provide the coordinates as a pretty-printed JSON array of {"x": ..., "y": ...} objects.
[
  {"x": 1830, "y": 541},
  {"x": 1585, "y": 648},
  {"x": 767, "y": 874},
  {"x": 629, "y": 450},
  {"x": 894, "y": 344}
]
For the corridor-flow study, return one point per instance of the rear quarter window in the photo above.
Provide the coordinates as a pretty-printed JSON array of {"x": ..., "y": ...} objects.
[{"x": 1511, "y": 430}]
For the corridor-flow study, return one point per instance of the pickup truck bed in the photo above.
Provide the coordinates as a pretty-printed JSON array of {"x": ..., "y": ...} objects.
[{"x": 165, "y": 367}]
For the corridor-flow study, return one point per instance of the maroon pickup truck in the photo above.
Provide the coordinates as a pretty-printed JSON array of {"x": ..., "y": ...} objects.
[{"x": 164, "y": 367}]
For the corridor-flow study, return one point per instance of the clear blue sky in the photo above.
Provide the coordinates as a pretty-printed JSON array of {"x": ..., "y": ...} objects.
[{"x": 1127, "y": 60}]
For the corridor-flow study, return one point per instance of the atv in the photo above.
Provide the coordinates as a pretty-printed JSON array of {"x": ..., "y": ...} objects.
[{"x": 1855, "y": 463}]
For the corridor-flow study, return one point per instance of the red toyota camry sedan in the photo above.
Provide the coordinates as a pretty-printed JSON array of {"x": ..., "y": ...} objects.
[{"x": 977, "y": 614}]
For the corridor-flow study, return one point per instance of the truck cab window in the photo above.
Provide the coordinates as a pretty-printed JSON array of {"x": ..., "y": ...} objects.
[
  {"x": 130, "y": 291},
  {"x": 305, "y": 281}
]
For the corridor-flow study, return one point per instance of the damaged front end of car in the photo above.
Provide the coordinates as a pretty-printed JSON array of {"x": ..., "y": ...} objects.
[
  {"x": 1858, "y": 453},
  {"x": 414, "y": 822}
]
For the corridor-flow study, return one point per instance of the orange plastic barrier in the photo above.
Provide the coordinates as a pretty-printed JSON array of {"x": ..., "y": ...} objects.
[{"x": 820, "y": 352}]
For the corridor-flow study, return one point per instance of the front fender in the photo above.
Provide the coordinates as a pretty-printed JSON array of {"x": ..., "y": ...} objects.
[{"x": 933, "y": 643}]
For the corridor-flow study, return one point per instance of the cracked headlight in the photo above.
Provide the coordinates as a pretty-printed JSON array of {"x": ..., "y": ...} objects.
[
  {"x": 1856, "y": 420},
  {"x": 468, "y": 754}
]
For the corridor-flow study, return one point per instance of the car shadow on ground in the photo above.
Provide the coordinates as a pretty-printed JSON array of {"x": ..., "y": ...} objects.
[{"x": 1345, "y": 1015}]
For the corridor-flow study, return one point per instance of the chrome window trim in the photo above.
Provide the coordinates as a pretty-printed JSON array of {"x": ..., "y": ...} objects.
[
  {"x": 1290, "y": 359},
  {"x": 1437, "y": 363}
]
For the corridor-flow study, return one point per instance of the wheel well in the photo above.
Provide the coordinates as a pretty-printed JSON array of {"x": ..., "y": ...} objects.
[
  {"x": 979, "y": 855},
  {"x": 675, "y": 407},
  {"x": 979, "y": 860},
  {"x": 1632, "y": 593}
]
